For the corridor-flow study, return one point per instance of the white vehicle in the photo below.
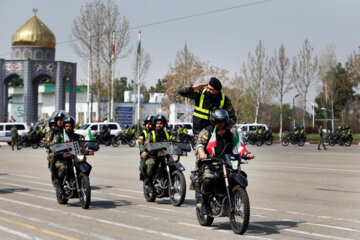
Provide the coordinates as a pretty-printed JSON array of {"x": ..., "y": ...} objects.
[
  {"x": 188, "y": 126},
  {"x": 95, "y": 128},
  {"x": 5, "y": 130},
  {"x": 245, "y": 128}
]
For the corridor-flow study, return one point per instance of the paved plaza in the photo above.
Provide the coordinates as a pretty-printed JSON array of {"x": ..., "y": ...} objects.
[{"x": 295, "y": 193}]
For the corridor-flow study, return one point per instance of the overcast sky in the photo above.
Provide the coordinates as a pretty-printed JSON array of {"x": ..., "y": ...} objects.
[{"x": 223, "y": 38}]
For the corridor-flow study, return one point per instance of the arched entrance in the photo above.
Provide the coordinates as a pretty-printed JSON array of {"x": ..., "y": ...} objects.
[{"x": 16, "y": 82}]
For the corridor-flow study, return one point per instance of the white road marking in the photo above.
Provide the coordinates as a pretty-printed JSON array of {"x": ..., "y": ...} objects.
[{"x": 19, "y": 234}]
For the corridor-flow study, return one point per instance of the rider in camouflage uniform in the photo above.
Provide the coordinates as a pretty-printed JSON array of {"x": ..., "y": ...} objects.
[{"x": 149, "y": 127}]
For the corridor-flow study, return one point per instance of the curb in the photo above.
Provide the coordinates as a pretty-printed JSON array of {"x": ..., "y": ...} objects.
[{"x": 308, "y": 143}]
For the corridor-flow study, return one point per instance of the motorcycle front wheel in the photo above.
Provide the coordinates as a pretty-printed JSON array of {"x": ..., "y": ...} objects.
[
  {"x": 115, "y": 142},
  {"x": 132, "y": 142},
  {"x": 301, "y": 143},
  {"x": 34, "y": 145},
  {"x": 178, "y": 191},
  {"x": 85, "y": 191},
  {"x": 285, "y": 142},
  {"x": 348, "y": 143},
  {"x": 239, "y": 216},
  {"x": 332, "y": 142},
  {"x": 326, "y": 142}
]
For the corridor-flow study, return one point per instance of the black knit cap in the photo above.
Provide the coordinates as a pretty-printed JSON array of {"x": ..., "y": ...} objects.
[{"x": 215, "y": 83}]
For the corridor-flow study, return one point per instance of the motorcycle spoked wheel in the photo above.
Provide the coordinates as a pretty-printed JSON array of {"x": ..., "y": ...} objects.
[
  {"x": 268, "y": 142},
  {"x": 34, "y": 145},
  {"x": 178, "y": 191},
  {"x": 132, "y": 143},
  {"x": 115, "y": 142},
  {"x": 85, "y": 191},
  {"x": 301, "y": 143},
  {"x": 348, "y": 143},
  {"x": 239, "y": 216},
  {"x": 332, "y": 142},
  {"x": 285, "y": 142},
  {"x": 60, "y": 195},
  {"x": 148, "y": 190},
  {"x": 203, "y": 220},
  {"x": 326, "y": 142}
]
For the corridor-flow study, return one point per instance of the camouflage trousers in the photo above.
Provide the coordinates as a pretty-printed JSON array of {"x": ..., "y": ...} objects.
[
  {"x": 51, "y": 160},
  {"x": 61, "y": 168},
  {"x": 149, "y": 165},
  {"x": 14, "y": 142}
]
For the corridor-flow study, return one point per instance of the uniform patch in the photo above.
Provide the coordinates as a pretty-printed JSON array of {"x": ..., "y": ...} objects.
[{"x": 203, "y": 139}]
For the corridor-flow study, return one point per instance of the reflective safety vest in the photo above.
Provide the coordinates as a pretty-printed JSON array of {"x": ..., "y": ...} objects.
[
  {"x": 154, "y": 135},
  {"x": 145, "y": 134},
  {"x": 200, "y": 112}
]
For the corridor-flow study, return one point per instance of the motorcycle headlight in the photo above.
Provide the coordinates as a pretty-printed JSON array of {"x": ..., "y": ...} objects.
[
  {"x": 234, "y": 164},
  {"x": 81, "y": 158}
]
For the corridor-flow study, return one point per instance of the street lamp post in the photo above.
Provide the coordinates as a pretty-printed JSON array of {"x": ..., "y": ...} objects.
[
  {"x": 313, "y": 108},
  {"x": 296, "y": 95}
]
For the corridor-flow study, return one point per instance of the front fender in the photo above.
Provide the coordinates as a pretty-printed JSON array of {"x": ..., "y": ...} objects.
[
  {"x": 239, "y": 179},
  {"x": 85, "y": 168},
  {"x": 177, "y": 165}
]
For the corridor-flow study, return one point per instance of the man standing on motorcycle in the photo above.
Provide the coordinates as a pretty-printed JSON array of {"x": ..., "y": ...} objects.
[
  {"x": 157, "y": 135},
  {"x": 68, "y": 124},
  {"x": 224, "y": 138},
  {"x": 149, "y": 127}
]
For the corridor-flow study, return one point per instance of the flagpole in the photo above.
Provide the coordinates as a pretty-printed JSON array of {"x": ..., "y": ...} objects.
[
  {"x": 112, "y": 79},
  {"x": 138, "y": 79},
  {"x": 88, "y": 82}
]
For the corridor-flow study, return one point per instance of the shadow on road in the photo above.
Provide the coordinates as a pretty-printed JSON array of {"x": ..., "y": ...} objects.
[
  {"x": 99, "y": 187},
  {"x": 270, "y": 227},
  {"x": 110, "y": 204},
  {"x": 12, "y": 190}
]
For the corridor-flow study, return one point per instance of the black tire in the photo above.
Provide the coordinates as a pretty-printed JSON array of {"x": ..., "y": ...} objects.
[
  {"x": 332, "y": 142},
  {"x": 85, "y": 191},
  {"x": 326, "y": 142},
  {"x": 34, "y": 145},
  {"x": 285, "y": 142},
  {"x": 115, "y": 142},
  {"x": 348, "y": 143},
  {"x": 132, "y": 142},
  {"x": 269, "y": 142},
  {"x": 108, "y": 142},
  {"x": 259, "y": 143},
  {"x": 301, "y": 142},
  {"x": 60, "y": 196},
  {"x": 239, "y": 216},
  {"x": 41, "y": 144},
  {"x": 20, "y": 145},
  {"x": 178, "y": 192},
  {"x": 148, "y": 190},
  {"x": 203, "y": 220}
]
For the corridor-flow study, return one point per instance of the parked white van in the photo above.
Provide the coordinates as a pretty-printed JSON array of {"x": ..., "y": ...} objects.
[
  {"x": 5, "y": 130},
  {"x": 95, "y": 128},
  {"x": 245, "y": 128}
]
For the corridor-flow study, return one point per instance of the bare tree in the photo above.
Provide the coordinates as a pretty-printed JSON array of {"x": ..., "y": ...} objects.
[
  {"x": 92, "y": 36},
  {"x": 255, "y": 74},
  {"x": 353, "y": 67},
  {"x": 327, "y": 74},
  {"x": 280, "y": 82},
  {"x": 186, "y": 71},
  {"x": 304, "y": 72}
]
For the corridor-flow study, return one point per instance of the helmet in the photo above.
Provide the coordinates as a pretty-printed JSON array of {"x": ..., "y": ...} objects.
[
  {"x": 296, "y": 128},
  {"x": 126, "y": 126},
  {"x": 68, "y": 119},
  {"x": 347, "y": 127},
  {"x": 148, "y": 119},
  {"x": 302, "y": 127},
  {"x": 159, "y": 117},
  {"x": 51, "y": 121},
  {"x": 37, "y": 128},
  {"x": 60, "y": 114},
  {"x": 339, "y": 127},
  {"x": 219, "y": 115}
]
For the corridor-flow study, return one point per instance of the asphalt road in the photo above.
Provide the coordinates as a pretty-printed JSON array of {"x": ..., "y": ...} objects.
[{"x": 295, "y": 193}]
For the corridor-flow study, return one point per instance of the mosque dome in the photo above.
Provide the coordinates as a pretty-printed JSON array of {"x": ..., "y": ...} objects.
[{"x": 34, "y": 33}]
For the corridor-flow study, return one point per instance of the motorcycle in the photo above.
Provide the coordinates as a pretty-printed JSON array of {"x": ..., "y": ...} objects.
[
  {"x": 336, "y": 138},
  {"x": 266, "y": 138},
  {"x": 122, "y": 139},
  {"x": 101, "y": 140},
  {"x": 229, "y": 196},
  {"x": 291, "y": 138},
  {"x": 168, "y": 180},
  {"x": 25, "y": 141},
  {"x": 251, "y": 139},
  {"x": 76, "y": 183}
]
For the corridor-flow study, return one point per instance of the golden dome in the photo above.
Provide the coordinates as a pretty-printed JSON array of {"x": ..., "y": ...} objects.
[{"x": 34, "y": 33}]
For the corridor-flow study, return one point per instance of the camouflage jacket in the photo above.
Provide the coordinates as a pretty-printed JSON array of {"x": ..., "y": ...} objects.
[{"x": 160, "y": 137}]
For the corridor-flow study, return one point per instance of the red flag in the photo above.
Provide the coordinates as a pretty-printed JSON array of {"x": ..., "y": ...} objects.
[{"x": 212, "y": 144}]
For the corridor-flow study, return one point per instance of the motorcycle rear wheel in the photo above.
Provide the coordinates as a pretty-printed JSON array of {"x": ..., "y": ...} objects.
[
  {"x": 85, "y": 191},
  {"x": 115, "y": 142},
  {"x": 301, "y": 143},
  {"x": 239, "y": 216},
  {"x": 34, "y": 145},
  {"x": 60, "y": 195},
  {"x": 285, "y": 142},
  {"x": 132, "y": 142},
  {"x": 269, "y": 142},
  {"x": 177, "y": 194},
  {"x": 148, "y": 190},
  {"x": 204, "y": 220}
]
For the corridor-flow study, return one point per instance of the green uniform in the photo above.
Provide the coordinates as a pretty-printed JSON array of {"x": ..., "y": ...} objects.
[
  {"x": 14, "y": 137},
  {"x": 141, "y": 140},
  {"x": 155, "y": 136}
]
